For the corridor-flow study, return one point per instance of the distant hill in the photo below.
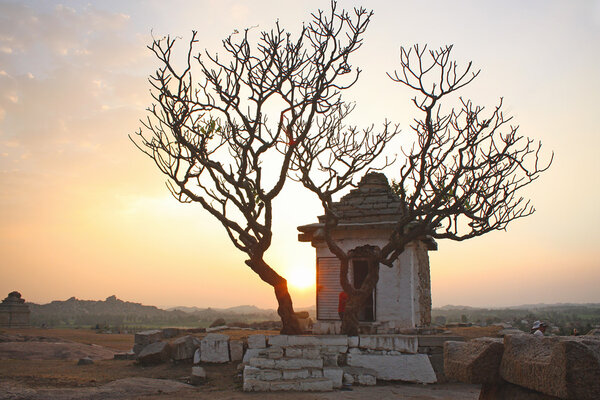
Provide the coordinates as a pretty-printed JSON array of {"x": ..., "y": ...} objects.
[{"x": 120, "y": 314}]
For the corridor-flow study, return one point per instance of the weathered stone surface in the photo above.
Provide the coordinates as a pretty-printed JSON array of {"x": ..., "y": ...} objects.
[
  {"x": 257, "y": 341},
  {"x": 198, "y": 375},
  {"x": 561, "y": 366},
  {"x": 294, "y": 340},
  {"x": 255, "y": 385},
  {"x": 236, "y": 350},
  {"x": 311, "y": 352},
  {"x": 278, "y": 340},
  {"x": 214, "y": 348},
  {"x": 144, "y": 338},
  {"x": 316, "y": 385},
  {"x": 183, "y": 348},
  {"x": 293, "y": 352},
  {"x": 297, "y": 363},
  {"x": 251, "y": 353},
  {"x": 274, "y": 353},
  {"x": 405, "y": 367},
  {"x": 334, "y": 349},
  {"x": 505, "y": 390},
  {"x": 261, "y": 374},
  {"x": 304, "y": 385},
  {"x": 262, "y": 362},
  {"x": 333, "y": 340},
  {"x": 197, "y": 356},
  {"x": 477, "y": 361},
  {"x": 85, "y": 361},
  {"x": 155, "y": 353},
  {"x": 336, "y": 375},
  {"x": 353, "y": 341},
  {"x": 348, "y": 379},
  {"x": 296, "y": 374},
  {"x": 401, "y": 343}
]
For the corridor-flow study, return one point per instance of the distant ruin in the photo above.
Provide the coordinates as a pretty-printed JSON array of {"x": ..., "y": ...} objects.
[{"x": 14, "y": 313}]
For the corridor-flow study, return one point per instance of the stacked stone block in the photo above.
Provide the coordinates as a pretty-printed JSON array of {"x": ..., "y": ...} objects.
[{"x": 322, "y": 363}]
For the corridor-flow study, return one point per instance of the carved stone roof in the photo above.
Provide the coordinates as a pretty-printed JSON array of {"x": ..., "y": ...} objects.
[{"x": 372, "y": 201}]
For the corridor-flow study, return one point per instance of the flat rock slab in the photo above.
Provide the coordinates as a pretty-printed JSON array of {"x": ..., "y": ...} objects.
[
  {"x": 401, "y": 343},
  {"x": 563, "y": 366},
  {"x": 53, "y": 351},
  {"x": 476, "y": 361},
  {"x": 404, "y": 367}
]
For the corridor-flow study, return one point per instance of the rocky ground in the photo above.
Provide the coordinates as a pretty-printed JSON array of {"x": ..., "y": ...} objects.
[{"x": 42, "y": 364}]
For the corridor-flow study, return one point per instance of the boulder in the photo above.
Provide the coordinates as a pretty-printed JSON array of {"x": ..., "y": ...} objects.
[
  {"x": 477, "y": 361},
  {"x": 144, "y": 338},
  {"x": 183, "y": 348},
  {"x": 214, "y": 348},
  {"x": 154, "y": 353},
  {"x": 85, "y": 361},
  {"x": 405, "y": 367},
  {"x": 562, "y": 366}
]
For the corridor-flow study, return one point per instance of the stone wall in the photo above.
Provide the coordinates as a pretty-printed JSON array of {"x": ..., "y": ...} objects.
[{"x": 321, "y": 363}]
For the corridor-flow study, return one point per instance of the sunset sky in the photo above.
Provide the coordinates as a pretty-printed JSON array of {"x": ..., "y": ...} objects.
[{"x": 83, "y": 213}]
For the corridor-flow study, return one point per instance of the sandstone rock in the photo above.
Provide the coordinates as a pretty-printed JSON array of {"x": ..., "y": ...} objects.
[
  {"x": 85, "y": 361},
  {"x": 236, "y": 350},
  {"x": 405, "y": 367},
  {"x": 183, "y": 348},
  {"x": 561, "y": 366},
  {"x": 214, "y": 348},
  {"x": 154, "y": 353},
  {"x": 144, "y": 338},
  {"x": 257, "y": 342},
  {"x": 477, "y": 361},
  {"x": 198, "y": 375}
]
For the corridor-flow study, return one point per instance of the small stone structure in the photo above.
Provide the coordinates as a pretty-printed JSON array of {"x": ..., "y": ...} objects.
[
  {"x": 528, "y": 367},
  {"x": 325, "y": 362},
  {"x": 402, "y": 297},
  {"x": 14, "y": 313}
]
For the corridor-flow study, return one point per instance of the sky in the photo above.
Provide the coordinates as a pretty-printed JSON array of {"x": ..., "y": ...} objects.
[{"x": 83, "y": 213}]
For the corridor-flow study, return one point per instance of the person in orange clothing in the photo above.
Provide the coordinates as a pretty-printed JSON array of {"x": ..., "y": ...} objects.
[{"x": 343, "y": 298}]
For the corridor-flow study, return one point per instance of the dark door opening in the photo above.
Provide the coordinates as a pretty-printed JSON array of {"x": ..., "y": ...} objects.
[{"x": 360, "y": 269}]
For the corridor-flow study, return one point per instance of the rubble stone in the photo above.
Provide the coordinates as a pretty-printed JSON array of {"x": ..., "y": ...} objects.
[
  {"x": 154, "y": 353},
  {"x": 144, "y": 338},
  {"x": 183, "y": 348}
]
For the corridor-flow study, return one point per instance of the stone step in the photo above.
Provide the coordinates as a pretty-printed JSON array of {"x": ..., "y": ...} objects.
[{"x": 289, "y": 385}]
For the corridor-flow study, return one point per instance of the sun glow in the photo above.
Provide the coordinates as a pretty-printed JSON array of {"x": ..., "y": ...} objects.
[{"x": 301, "y": 276}]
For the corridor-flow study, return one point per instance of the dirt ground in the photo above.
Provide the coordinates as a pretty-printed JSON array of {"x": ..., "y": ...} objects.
[{"x": 60, "y": 378}]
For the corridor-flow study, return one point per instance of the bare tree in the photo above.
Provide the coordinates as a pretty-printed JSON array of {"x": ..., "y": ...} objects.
[
  {"x": 462, "y": 177},
  {"x": 225, "y": 130}
]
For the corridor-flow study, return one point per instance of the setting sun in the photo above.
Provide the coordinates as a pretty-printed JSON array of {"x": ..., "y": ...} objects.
[{"x": 301, "y": 276}]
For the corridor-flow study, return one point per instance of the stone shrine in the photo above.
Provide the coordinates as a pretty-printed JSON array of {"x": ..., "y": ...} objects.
[
  {"x": 14, "y": 313},
  {"x": 402, "y": 297}
]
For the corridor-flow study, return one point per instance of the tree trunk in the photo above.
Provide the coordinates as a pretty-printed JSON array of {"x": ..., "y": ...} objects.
[
  {"x": 289, "y": 322},
  {"x": 358, "y": 296}
]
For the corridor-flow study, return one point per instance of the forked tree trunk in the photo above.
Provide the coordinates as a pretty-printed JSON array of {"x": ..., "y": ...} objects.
[
  {"x": 358, "y": 296},
  {"x": 289, "y": 321}
]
